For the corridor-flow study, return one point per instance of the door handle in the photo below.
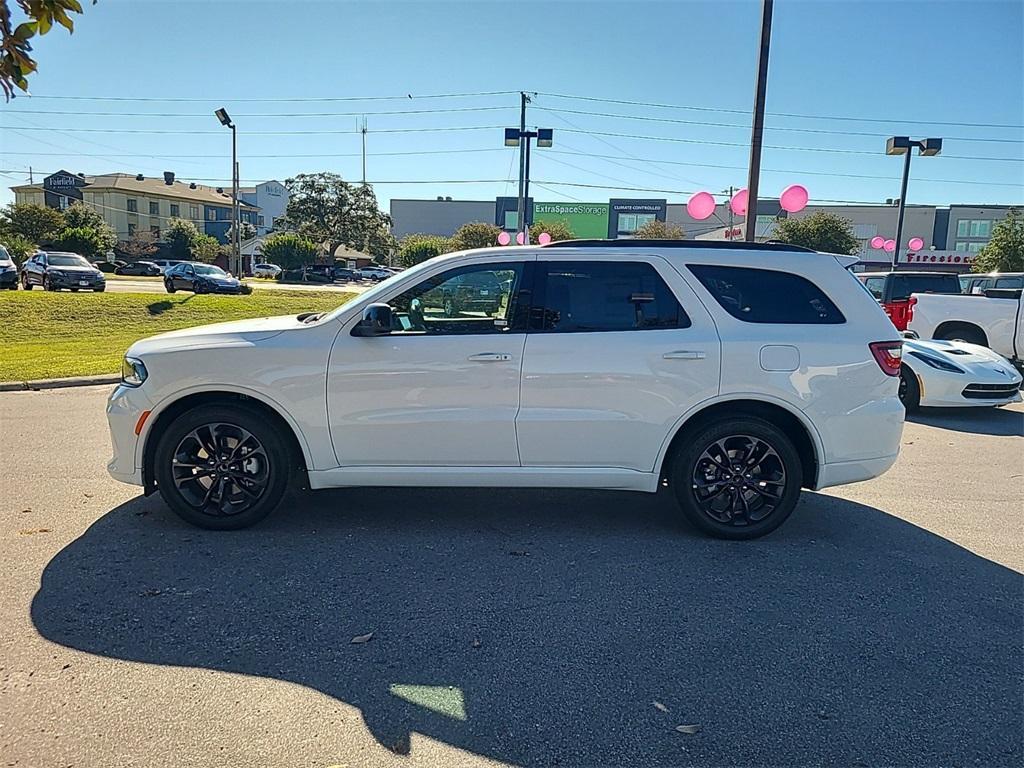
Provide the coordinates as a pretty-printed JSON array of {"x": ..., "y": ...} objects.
[
  {"x": 684, "y": 354},
  {"x": 489, "y": 357}
]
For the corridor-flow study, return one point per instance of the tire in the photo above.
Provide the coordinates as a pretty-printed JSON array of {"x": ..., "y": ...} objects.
[
  {"x": 910, "y": 390},
  {"x": 99, "y": 290},
  {"x": 26, "y": 284},
  {"x": 74, "y": 290},
  {"x": 268, "y": 472},
  {"x": 47, "y": 285},
  {"x": 964, "y": 333},
  {"x": 170, "y": 288},
  {"x": 728, "y": 507}
]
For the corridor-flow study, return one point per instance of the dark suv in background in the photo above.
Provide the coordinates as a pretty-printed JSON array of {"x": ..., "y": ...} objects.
[{"x": 54, "y": 270}]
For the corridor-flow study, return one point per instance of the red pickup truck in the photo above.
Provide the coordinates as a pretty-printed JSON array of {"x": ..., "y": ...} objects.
[{"x": 893, "y": 289}]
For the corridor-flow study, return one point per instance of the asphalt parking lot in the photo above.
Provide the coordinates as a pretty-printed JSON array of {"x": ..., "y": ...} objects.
[{"x": 881, "y": 625}]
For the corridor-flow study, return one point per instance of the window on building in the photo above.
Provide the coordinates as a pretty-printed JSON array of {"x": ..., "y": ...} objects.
[
  {"x": 631, "y": 222},
  {"x": 960, "y": 245},
  {"x": 154, "y": 230},
  {"x": 175, "y": 210},
  {"x": 211, "y": 214},
  {"x": 133, "y": 205},
  {"x": 581, "y": 296},
  {"x": 767, "y": 296},
  {"x": 511, "y": 220},
  {"x": 259, "y": 220},
  {"x": 131, "y": 229},
  {"x": 974, "y": 228},
  {"x": 193, "y": 211},
  {"x": 975, "y": 247},
  {"x": 154, "y": 208}
]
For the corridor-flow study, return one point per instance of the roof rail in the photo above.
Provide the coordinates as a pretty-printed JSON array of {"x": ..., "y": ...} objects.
[{"x": 707, "y": 244}]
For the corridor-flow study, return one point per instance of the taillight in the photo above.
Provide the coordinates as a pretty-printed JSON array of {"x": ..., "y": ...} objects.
[
  {"x": 910, "y": 308},
  {"x": 888, "y": 355}
]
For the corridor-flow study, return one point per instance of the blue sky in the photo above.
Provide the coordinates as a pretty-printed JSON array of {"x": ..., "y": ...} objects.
[{"x": 855, "y": 67}]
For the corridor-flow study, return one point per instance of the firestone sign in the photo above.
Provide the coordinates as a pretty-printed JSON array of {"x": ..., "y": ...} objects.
[{"x": 938, "y": 257}]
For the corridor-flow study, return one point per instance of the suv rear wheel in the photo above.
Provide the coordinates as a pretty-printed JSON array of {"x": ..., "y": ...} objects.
[
  {"x": 222, "y": 467},
  {"x": 737, "y": 479}
]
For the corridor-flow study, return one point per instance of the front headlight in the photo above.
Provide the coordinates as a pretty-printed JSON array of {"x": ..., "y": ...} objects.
[
  {"x": 133, "y": 372},
  {"x": 936, "y": 362}
]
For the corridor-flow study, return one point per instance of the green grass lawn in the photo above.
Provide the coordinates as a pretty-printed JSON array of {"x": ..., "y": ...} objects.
[{"x": 51, "y": 335}]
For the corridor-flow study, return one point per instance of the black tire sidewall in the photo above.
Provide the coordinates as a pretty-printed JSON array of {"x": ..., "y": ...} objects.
[
  {"x": 913, "y": 399},
  {"x": 685, "y": 459},
  {"x": 247, "y": 418}
]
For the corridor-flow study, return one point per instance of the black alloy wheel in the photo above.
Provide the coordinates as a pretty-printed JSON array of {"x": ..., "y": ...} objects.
[
  {"x": 739, "y": 479},
  {"x": 909, "y": 390},
  {"x": 222, "y": 467}
]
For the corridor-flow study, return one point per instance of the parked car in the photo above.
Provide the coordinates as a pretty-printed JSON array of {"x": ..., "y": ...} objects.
[
  {"x": 373, "y": 273},
  {"x": 733, "y": 373},
  {"x": 201, "y": 278},
  {"x": 164, "y": 264},
  {"x": 304, "y": 276},
  {"x": 266, "y": 270},
  {"x": 108, "y": 266},
  {"x": 978, "y": 283},
  {"x": 893, "y": 289},
  {"x": 955, "y": 374},
  {"x": 472, "y": 292},
  {"x": 54, "y": 270},
  {"x": 8, "y": 270},
  {"x": 342, "y": 274},
  {"x": 993, "y": 319},
  {"x": 141, "y": 268}
]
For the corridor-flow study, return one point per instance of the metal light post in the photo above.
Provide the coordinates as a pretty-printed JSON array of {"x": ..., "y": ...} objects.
[
  {"x": 514, "y": 138},
  {"x": 757, "y": 126},
  {"x": 236, "y": 240},
  {"x": 902, "y": 145}
]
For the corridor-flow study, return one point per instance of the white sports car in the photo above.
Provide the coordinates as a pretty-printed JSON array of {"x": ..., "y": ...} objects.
[{"x": 955, "y": 374}]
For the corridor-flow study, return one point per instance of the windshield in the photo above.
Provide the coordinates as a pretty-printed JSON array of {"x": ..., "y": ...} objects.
[
  {"x": 209, "y": 269},
  {"x": 904, "y": 285},
  {"x": 4, "y": 255},
  {"x": 66, "y": 260}
]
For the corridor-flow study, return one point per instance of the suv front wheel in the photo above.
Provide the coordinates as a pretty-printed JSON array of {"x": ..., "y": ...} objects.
[
  {"x": 737, "y": 479},
  {"x": 222, "y": 467}
]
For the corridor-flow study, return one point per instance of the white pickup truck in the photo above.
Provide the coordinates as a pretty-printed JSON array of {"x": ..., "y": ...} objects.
[{"x": 993, "y": 320}]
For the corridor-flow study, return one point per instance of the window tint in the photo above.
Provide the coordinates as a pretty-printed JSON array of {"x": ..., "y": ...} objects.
[
  {"x": 1010, "y": 282},
  {"x": 904, "y": 285},
  {"x": 875, "y": 285},
  {"x": 604, "y": 296},
  {"x": 767, "y": 296},
  {"x": 467, "y": 300}
]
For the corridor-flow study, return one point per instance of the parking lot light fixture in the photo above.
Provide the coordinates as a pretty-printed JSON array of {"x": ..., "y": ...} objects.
[
  {"x": 904, "y": 145},
  {"x": 513, "y": 137}
]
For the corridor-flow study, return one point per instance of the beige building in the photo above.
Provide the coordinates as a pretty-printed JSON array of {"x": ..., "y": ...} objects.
[{"x": 133, "y": 204}]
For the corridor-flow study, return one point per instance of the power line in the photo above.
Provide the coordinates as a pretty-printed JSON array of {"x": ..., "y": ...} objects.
[
  {"x": 271, "y": 99},
  {"x": 276, "y": 155},
  {"x": 206, "y": 115},
  {"x": 779, "y": 114},
  {"x": 160, "y": 131},
  {"x": 677, "y": 121}
]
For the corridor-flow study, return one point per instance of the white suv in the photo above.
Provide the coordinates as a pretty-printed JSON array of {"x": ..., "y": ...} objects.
[{"x": 734, "y": 374}]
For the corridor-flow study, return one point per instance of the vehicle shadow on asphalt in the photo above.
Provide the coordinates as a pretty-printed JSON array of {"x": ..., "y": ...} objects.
[
  {"x": 539, "y": 627},
  {"x": 979, "y": 421}
]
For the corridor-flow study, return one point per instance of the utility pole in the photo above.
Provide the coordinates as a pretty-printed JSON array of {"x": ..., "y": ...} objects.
[
  {"x": 729, "y": 206},
  {"x": 363, "y": 131},
  {"x": 757, "y": 129},
  {"x": 521, "y": 220},
  {"x": 236, "y": 208},
  {"x": 30, "y": 180}
]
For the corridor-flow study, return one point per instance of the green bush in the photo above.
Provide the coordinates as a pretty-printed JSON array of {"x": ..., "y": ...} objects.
[
  {"x": 415, "y": 249},
  {"x": 558, "y": 230},
  {"x": 19, "y": 247},
  {"x": 84, "y": 241},
  {"x": 289, "y": 250},
  {"x": 475, "y": 234}
]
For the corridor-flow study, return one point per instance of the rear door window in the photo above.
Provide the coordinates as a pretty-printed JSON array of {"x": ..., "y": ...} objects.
[
  {"x": 875, "y": 286},
  {"x": 767, "y": 296},
  {"x": 1010, "y": 282},
  {"x": 589, "y": 296}
]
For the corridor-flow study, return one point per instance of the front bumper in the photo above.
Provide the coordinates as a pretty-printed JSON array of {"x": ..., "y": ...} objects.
[
  {"x": 7, "y": 279},
  {"x": 58, "y": 280},
  {"x": 125, "y": 407},
  {"x": 948, "y": 390}
]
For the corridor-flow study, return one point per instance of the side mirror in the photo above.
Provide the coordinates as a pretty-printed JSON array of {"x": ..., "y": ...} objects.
[{"x": 376, "y": 321}]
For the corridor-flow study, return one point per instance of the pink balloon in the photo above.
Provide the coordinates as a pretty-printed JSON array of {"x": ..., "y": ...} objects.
[
  {"x": 915, "y": 244},
  {"x": 739, "y": 202},
  {"x": 543, "y": 238},
  {"x": 504, "y": 238},
  {"x": 878, "y": 242},
  {"x": 701, "y": 206},
  {"x": 793, "y": 198},
  {"x": 890, "y": 246},
  {"x": 520, "y": 238}
]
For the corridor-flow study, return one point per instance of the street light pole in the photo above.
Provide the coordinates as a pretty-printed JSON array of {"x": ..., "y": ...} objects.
[
  {"x": 757, "y": 129},
  {"x": 236, "y": 241},
  {"x": 903, "y": 208},
  {"x": 904, "y": 145},
  {"x": 520, "y": 137}
]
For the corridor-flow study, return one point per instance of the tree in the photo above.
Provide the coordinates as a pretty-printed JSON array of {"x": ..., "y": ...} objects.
[
  {"x": 139, "y": 245},
  {"x": 82, "y": 216},
  {"x": 821, "y": 231},
  {"x": 36, "y": 223},
  {"x": 558, "y": 230},
  {"x": 289, "y": 250},
  {"x": 15, "y": 62},
  {"x": 475, "y": 234},
  {"x": 659, "y": 230},
  {"x": 418, "y": 248},
  {"x": 180, "y": 235},
  {"x": 248, "y": 231},
  {"x": 204, "y": 248},
  {"x": 328, "y": 210},
  {"x": 19, "y": 247},
  {"x": 1004, "y": 252},
  {"x": 84, "y": 241}
]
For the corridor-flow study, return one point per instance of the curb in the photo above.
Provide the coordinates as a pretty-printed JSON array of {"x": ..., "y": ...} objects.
[{"x": 74, "y": 381}]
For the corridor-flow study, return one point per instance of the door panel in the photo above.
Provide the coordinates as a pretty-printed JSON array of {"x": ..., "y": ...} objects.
[
  {"x": 610, "y": 398},
  {"x": 443, "y": 388}
]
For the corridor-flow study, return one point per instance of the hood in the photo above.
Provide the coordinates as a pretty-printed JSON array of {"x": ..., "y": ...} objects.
[
  {"x": 235, "y": 333},
  {"x": 968, "y": 356},
  {"x": 219, "y": 280},
  {"x": 76, "y": 269}
]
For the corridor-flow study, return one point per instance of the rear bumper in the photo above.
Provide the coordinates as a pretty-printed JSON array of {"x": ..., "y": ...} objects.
[{"x": 844, "y": 472}]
